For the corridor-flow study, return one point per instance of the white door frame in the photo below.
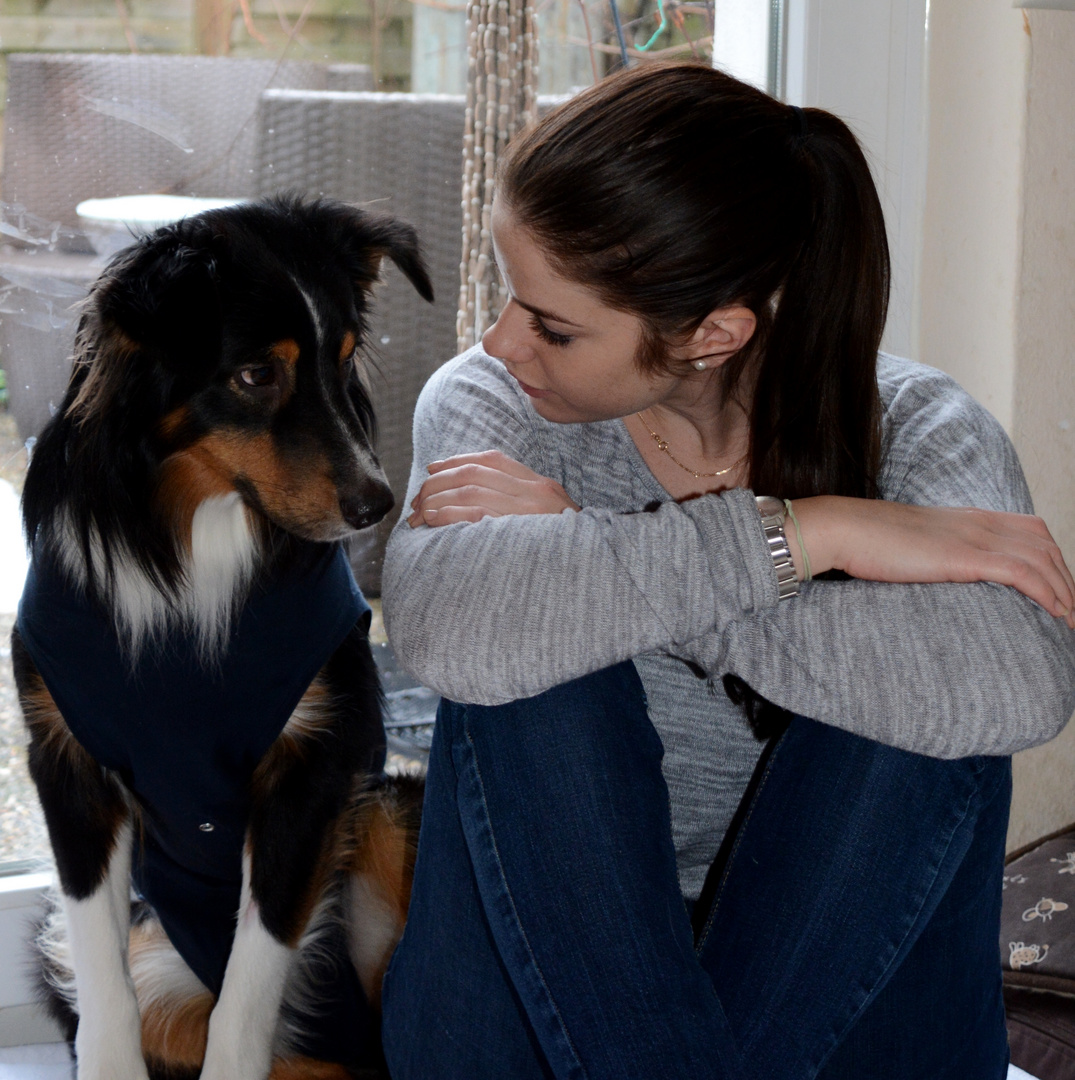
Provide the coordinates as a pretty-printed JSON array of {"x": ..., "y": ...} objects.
[{"x": 866, "y": 61}]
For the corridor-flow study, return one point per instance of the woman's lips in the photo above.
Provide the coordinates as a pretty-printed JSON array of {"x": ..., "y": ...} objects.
[{"x": 531, "y": 391}]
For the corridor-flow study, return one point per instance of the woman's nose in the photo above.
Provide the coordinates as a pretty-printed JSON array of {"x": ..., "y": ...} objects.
[{"x": 503, "y": 338}]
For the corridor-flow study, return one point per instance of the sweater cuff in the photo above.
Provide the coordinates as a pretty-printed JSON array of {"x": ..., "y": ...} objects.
[{"x": 740, "y": 565}]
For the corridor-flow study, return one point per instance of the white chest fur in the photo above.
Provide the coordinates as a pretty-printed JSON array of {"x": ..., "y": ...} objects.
[{"x": 216, "y": 573}]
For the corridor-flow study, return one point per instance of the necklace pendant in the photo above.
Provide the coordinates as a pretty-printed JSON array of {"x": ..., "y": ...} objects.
[{"x": 662, "y": 445}]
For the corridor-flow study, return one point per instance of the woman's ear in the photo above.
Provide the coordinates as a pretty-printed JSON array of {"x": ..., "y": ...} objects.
[{"x": 722, "y": 333}]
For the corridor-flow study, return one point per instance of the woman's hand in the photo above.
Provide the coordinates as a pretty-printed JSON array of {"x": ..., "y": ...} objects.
[
  {"x": 885, "y": 541},
  {"x": 489, "y": 484}
]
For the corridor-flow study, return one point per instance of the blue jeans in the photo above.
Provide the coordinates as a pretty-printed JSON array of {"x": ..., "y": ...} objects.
[{"x": 853, "y": 936}]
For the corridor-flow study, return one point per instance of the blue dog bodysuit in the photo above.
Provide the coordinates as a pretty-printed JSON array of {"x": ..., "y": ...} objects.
[{"x": 186, "y": 736}]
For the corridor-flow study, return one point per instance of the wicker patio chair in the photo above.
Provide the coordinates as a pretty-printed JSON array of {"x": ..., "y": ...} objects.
[
  {"x": 98, "y": 126},
  {"x": 399, "y": 154}
]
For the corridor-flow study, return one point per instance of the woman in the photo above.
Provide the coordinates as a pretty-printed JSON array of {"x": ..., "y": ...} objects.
[{"x": 697, "y": 278}]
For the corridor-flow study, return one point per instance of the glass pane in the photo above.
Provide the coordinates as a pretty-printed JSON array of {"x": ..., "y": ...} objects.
[
  {"x": 22, "y": 831},
  {"x": 749, "y": 39}
]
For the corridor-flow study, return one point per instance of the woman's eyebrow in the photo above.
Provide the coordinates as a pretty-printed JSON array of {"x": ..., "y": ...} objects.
[{"x": 547, "y": 315}]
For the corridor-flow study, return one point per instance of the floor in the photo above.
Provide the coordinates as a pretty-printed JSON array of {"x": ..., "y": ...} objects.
[
  {"x": 53, "y": 1063},
  {"x": 12, "y": 551}
]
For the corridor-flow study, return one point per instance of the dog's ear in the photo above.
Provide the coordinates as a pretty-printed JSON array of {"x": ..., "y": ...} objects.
[
  {"x": 374, "y": 237},
  {"x": 154, "y": 311},
  {"x": 166, "y": 298}
]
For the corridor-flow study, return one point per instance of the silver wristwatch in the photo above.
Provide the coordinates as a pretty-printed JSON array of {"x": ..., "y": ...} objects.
[{"x": 773, "y": 512}]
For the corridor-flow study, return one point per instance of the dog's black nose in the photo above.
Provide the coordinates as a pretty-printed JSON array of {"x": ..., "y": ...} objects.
[{"x": 362, "y": 509}]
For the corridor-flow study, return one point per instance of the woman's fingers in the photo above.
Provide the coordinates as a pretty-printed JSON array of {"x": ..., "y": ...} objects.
[
  {"x": 473, "y": 496},
  {"x": 492, "y": 459},
  {"x": 449, "y": 515},
  {"x": 1058, "y": 560},
  {"x": 473, "y": 486},
  {"x": 1033, "y": 553},
  {"x": 884, "y": 541},
  {"x": 1027, "y": 576},
  {"x": 1028, "y": 558},
  {"x": 470, "y": 474}
]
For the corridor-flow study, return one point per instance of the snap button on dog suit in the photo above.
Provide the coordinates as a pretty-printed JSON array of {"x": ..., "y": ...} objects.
[{"x": 207, "y": 826}]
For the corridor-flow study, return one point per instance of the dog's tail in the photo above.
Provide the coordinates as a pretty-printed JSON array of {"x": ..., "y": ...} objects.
[
  {"x": 53, "y": 975},
  {"x": 383, "y": 835}
]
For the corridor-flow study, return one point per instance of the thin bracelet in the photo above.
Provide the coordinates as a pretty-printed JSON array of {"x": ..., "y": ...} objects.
[{"x": 807, "y": 575}]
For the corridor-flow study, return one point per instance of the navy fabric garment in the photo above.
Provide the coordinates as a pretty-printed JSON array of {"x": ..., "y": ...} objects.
[{"x": 186, "y": 737}]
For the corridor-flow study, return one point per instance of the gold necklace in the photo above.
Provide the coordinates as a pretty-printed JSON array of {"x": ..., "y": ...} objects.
[{"x": 663, "y": 447}]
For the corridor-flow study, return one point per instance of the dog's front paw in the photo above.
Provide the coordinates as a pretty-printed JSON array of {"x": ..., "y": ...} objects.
[
  {"x": 239, "y": 1066},
  {"x": 108, "y": 1055},
  {"x": 237, "y": 1053}
]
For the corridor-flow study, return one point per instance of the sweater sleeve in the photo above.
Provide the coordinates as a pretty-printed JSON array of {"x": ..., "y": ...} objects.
[
  {"x": 943, "y": 670},
  {"x": 508, "y": 607},
  {"x": 504, "y": 608}
]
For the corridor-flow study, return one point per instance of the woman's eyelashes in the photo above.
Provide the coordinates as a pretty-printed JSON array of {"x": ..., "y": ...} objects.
[{"x": 547, "y": 335}]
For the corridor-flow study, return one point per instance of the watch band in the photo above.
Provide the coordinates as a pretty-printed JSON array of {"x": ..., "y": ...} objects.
[{"x": 773, "y": 512}]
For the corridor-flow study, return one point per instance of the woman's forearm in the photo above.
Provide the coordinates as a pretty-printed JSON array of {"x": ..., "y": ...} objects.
[
  {"x": 507, "y": 607},
  {"x": 942, "y": 670}
]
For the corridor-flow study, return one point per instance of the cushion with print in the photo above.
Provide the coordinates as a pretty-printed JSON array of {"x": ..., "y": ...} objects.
[
  {"x": 1037, "y": 950},
  {"x": 1037, "y": 925}
]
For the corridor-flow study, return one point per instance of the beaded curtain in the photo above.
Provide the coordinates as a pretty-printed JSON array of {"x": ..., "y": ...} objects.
[{"x": 501, "y": 99}]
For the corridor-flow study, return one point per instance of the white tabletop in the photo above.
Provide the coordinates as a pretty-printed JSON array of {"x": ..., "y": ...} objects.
[{"x": 141, "y": 213}]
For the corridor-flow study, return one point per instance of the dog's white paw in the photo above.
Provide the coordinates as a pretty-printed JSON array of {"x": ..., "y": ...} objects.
[
  {"x": 106, "y": 1054},
  {"x": 242, "y": 1059},
  {"x": 113, "y": 1069}
]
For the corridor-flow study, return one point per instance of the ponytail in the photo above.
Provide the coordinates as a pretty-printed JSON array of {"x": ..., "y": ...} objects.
[{"x": 816, "y": 423}]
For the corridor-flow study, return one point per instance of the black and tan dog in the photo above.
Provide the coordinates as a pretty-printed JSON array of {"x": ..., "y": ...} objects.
[{"x": 192, "y": 659}]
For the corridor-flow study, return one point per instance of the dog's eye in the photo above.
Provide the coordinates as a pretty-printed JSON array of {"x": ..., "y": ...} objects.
[{"x": 262, "y": 375}]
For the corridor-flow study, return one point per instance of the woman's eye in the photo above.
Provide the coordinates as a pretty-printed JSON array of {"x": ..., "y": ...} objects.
[
  {"x": 548, "y": 335},
  {"x": 262, "y": 375}
]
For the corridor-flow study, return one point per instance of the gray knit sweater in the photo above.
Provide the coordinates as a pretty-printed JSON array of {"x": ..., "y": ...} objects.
[{"x": 508, "y": 607}]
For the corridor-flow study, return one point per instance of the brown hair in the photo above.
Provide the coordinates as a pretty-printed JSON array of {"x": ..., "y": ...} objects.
[{"x": 672, "y": 190}]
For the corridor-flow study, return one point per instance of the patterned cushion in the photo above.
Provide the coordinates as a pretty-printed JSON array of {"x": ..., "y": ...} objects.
[
  {"x": 1037, "y": 947},
  {"x": 1037, "y": 926}
]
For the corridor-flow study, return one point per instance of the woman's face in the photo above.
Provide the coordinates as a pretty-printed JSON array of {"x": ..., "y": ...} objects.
[{"x": 569, "y": 351}]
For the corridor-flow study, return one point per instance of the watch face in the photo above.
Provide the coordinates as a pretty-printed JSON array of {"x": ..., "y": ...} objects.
[{"x": 770, "y": 506}]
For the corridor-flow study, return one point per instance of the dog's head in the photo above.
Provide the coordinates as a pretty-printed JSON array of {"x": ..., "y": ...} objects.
[{"x": 229, "y": 349}]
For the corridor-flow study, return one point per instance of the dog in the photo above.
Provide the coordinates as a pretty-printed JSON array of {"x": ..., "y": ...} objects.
[{"x": 192, "y": 660}]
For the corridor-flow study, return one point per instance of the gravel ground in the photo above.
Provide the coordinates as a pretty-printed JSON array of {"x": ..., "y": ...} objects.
[
  {"x": 12, "y": 452},
  {"x": 22, "y": 830}
]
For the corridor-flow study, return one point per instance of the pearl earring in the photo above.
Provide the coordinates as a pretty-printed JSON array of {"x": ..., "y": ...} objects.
[{"x": 699, "y": 365}]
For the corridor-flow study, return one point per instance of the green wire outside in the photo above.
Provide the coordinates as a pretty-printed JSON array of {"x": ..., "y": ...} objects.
[{"x": 656, "y": 33}]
